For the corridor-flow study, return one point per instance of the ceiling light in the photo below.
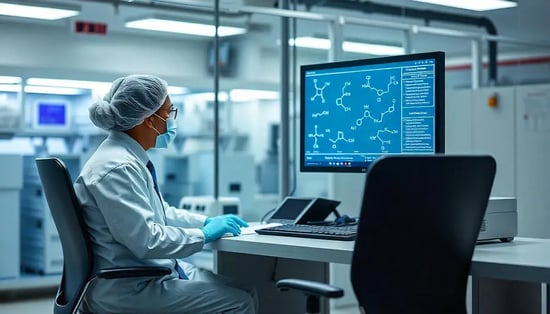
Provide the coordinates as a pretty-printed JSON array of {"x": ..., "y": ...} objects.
[
  {"x": 31, "y": 89},
  {"x": 372, "y": 49},
  {"x": 95, "y": 86},
  {"x": 10, "y": 80},
  {"x": 10, "y": 88},
  {"x": 68, "y": 83},
  {"x": 176, "y": 90},
  {"x": 206, "y": 96},
  {"x": 252, "y": 94},
  {"x": 349, "y": 46},
  {"x": 38, "y": 10},
  {"x": 180, "y": 27},
  {"x": 474, "y": 5}
]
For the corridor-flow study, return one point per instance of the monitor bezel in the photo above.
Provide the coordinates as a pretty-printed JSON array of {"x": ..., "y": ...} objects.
[{"x": 439, "y": 99}]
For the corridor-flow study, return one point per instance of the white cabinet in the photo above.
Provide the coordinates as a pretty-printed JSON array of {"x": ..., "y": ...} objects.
[
  {"x": 474, "y": 127},
  {"x": 517, "y": 133},
  {"x": 533, "y": 159}
]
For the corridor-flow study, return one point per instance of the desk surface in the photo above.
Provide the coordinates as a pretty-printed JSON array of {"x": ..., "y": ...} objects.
[
  {"x": 309, "y": 249},
  {"x": 524, "y": 259}
]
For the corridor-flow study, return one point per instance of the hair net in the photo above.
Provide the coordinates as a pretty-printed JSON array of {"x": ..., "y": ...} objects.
[{"x": 130, "y": 100}]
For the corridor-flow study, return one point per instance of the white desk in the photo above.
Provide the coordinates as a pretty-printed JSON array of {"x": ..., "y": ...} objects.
[
  {"x": 261, "y": 260},
  {"x": 507, "y": 277}
]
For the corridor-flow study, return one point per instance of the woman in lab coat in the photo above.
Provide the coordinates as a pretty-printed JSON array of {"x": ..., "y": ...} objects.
[{"x": 131, "y": 225}]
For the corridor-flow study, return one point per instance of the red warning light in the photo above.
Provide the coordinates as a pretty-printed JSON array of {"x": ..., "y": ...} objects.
[{"x": 82, "y": 27}]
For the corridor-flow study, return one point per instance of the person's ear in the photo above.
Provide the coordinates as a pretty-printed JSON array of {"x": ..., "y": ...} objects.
[{"x": 149, "y": 122}]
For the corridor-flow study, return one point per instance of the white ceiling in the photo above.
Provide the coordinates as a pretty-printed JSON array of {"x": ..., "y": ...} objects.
[{"x": 526, "y": 22}]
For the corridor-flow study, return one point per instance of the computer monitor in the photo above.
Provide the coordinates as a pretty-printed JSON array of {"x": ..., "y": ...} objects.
[
  {"x": 51, "y": 115},
  {"x": 353, "y": 112}
]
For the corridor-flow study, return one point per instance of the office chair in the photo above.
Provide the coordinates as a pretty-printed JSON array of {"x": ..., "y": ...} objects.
[
  {"x": 77, "y": 254},
  {"x": 419, "y": 222}
]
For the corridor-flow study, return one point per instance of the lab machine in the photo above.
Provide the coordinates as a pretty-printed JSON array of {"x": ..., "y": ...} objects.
[
  {"x": 501, "y": 220},
  {"x": 40, "y": 244},
  {"x": 11, "y": 182}
]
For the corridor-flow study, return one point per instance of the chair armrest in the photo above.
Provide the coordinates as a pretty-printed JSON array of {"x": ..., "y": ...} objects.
[
  {"x": 125, "y": 272},
  {"x": 311, "y": 287}
]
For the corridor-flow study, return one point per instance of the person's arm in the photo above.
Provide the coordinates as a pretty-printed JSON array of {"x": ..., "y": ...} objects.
[
  {"x": 123, "y": 198},
  {"x": 183, "y": 218}
]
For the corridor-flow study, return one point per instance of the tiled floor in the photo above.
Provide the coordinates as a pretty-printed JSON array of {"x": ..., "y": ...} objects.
[{"x": 43, "y": 305}]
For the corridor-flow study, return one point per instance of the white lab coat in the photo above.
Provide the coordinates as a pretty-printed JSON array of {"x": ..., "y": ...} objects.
[{"x": 129, "y": 226}]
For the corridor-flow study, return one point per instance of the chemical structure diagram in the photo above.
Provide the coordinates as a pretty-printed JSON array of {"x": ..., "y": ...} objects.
[
  {"x": 340, "y": 101},
  {"x": 315, "y": 136},
  {"x": 341, "y": 137},
  {"x": 319, "y": 91},
  {"x": 380, "y": 92},
  {"x": 367, "y": 114},
  {"x": 320, "y": 114},
  {"x": 382, "y": 141},
  {"x": 374, "y": 101}
]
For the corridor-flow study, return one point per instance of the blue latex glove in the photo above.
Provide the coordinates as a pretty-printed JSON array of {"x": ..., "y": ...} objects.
[{"x": 215, "y": 227}]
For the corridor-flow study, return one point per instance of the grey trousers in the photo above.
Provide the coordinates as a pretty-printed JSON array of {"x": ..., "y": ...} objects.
[{"x": 204, "y": 292}]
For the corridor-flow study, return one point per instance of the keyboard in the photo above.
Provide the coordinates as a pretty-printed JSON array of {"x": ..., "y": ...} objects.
[{"x": 330, "y": 232}]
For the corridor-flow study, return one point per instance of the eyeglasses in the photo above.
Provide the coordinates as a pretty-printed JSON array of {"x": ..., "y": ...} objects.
[{"x": 172, "y": 112}]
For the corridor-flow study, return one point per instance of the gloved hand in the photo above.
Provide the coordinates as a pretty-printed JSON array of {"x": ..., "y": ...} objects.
[{"x": 215, "y": 227}]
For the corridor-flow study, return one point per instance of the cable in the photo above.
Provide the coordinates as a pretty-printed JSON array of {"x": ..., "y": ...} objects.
[
  {"x": 274, "y": 272},
  {"x": 262, "y": 220}
]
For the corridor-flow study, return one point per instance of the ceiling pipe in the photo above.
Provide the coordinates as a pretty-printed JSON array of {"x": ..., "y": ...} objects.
[
  {"x": 426, "y": 15},
  {"x": 199, "y": 7}
]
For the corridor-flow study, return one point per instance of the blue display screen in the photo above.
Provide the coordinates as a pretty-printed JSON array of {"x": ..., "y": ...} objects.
[
  {"x": 52, "y": 114},
  {"x": 355, "y": 112}
]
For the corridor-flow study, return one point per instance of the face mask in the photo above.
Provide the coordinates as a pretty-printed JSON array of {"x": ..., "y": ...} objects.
[{"x": 165, "y": 139}]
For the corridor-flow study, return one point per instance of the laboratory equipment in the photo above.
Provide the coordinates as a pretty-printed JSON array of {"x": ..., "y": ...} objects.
[
  {"x": 11, "y": 182},
  {"x": 40, "y": 244}
]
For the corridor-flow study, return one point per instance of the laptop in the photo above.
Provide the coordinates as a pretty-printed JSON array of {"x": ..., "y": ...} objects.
[
  {"x": 299, "y": 210},
  {"x": 296, "y": 211},
  {"x": 305, "y": 218}
]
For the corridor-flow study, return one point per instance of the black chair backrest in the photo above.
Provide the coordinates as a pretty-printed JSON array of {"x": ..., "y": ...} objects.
[
  {"x": 419, "y": 223},
  {"x": 69, "y": 221}
]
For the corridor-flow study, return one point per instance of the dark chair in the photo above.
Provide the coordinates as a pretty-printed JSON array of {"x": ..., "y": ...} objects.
[
  {"x": 419, "y": 222},
  {"x": 77, "y": 253}
]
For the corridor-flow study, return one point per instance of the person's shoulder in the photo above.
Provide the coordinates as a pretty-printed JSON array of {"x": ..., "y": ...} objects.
[{"x": 110, "y": 161}]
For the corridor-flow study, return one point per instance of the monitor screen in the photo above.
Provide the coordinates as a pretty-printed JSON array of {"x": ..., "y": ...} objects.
[
  {"x": 51, "y": 115},
  {"x": 353, "y": 112}
]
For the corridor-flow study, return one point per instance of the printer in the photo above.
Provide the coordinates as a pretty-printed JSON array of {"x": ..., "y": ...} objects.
[{"x": 500, "y": 221}]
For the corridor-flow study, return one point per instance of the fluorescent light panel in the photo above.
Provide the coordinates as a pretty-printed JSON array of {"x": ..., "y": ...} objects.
[
  {"x": 10, "y": 80},
  {"x": 197, "y": 29},
  {"x": 176, "y": 90},
  {"x": 474, "y": 5},
  {"x": 207, "y": 96},
  {"x": 35, "y": 11},
  {"x": 68, "y": 83},
  {"x": 10, "y": 88},
  {"x": 349, "y": 46},
  {"x": 32, "y": 89},
  {"x": 97, "y": 87},
  {"x": 252, "y": 94}
]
